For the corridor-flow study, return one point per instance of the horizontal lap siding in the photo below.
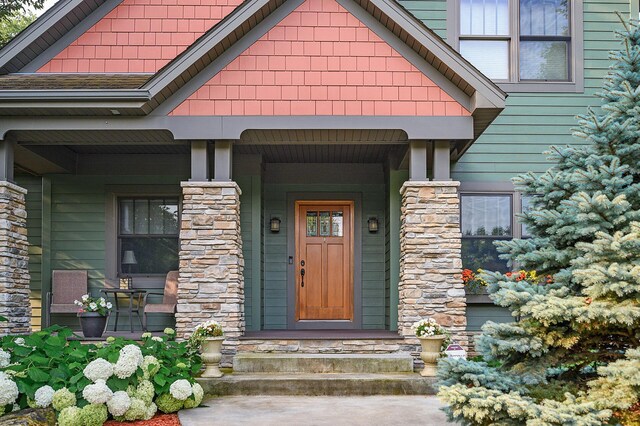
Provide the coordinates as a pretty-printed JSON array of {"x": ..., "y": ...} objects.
[
  {"x": 33, "y": 200},
  {"x": 78, "y": 221},
  {"x": 276, "y": 254},
  {"x": 532, "y": 122}
]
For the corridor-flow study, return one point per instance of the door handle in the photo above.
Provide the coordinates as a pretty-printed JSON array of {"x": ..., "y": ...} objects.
[{"x": 302, "y": 275}]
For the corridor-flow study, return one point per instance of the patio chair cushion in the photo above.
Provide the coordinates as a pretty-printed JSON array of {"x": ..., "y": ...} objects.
[
  {"x": 171, "y": 288},
  {"x": 167, "y": 308},
  {"x": 64, "y": 308},
  {"x": 67, "y": 286}
]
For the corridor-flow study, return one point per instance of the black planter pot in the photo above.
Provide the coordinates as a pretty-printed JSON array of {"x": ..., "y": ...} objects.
[{"x": 92, "y": 323}]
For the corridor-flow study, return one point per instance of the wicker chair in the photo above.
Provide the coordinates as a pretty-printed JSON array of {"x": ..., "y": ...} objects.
[
  {"x": 169, "y": 299},
  {"x": 66, "y": 287}
]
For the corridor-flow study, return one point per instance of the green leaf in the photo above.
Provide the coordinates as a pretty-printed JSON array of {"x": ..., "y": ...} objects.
[
  {"x": 38, "y": 359},
  {"x": 37, "y": 375},
  {"x": 22, "y": 351},
  {"x": 55, "y": 341},
  {"x": 75, "y": 378},
  {"x": 160, "y": 379}
]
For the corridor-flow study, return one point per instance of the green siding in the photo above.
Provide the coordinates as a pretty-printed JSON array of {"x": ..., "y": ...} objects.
[
  {"x": 532, "y": 122},
  {"x": 33, "y": 200},
  {"x": 276, "y": 255},
  {"x": 78, "y": 219},
  {"x": 432, "y": 12},
  {"x": 479, "y": 313}
]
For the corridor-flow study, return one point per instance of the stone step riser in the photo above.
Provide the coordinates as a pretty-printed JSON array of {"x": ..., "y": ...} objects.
[
  {"x": 318, "y": 386},
  {"x": 272, "y": 363}
]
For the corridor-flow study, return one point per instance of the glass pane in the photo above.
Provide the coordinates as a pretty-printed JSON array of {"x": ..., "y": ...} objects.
[
  {"x": 481, "y": 253},
  {"x": 156, "y": 219},
  {"x": 126, "y": 217},
  {"x": 141, "y": 217},
  {"x": 312, "y": 224},
  {"x": 544, "y": 60},
  {"x": 336, "y": 224},
  {"x": 486, "y": 215},
  {"x": 490, "y": 57},
  {"x": 152, "y": 255},
  {"x": 544, "y": 17},
  {"x": 170, "y": 213},
  {"x": 484, "y": 17},
  {"x": 325, "y": 224},
  {"x": 526, "y": 205}
]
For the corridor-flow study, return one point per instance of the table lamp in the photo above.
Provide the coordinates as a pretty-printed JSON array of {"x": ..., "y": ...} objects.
[{"x": 128, "y": 259}]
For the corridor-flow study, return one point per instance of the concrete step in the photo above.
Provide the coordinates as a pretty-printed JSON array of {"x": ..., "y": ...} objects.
[
  {"x": 322, "y": 363},
  {"x": 313, "y": 384}
]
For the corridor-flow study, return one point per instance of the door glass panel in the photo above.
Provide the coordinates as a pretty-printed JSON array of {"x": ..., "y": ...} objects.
[
  {"x": 336, "y": 224},
  {"x": 312, "y": 224},
  {"x": 325, "y": 224}
]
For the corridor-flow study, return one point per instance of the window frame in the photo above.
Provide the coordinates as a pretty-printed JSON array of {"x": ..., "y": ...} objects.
[
  {"x": 120, "y": 236},
  {"x": 514, "y": 84},
  {"x": 112, "y": 249}
]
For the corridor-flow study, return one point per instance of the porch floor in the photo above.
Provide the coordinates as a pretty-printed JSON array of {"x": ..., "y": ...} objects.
[{"x": 321, "y": 334}]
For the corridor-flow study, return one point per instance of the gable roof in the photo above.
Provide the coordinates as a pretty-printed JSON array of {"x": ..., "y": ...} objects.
[{"x": 231, "y": 36}]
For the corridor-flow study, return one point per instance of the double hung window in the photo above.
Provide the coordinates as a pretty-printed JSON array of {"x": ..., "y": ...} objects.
[
  {"x": 518, "y": 41},
  {"x": 147, "y": 235}
]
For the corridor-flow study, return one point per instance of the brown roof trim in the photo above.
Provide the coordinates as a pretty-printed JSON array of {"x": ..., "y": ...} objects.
[{"x": 72, "y": 81}]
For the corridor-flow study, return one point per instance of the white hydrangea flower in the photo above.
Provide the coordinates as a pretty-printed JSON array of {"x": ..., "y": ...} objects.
[
  {"x": 180, "y": 389},
  {"x": 15, "y": 408},
  {"x": 151, "y": 411},
  {"x": 8, "y": 390},
  {"x": 19, "y": 341},
  {"x": 119, "y": 403},
  {"x": 98, "y": 393},
  {"x": 44, "y": 396},
  {"x": 5, "y": 359},
  {"x": 146, "y": 335},
  {"x": 157, "y": 339},
  {"x": 98, "y": 369},
  {"x": 130, "y": 359}
]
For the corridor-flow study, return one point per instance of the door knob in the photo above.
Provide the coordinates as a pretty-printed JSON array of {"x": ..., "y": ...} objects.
[{"x": 302, "y": 275}]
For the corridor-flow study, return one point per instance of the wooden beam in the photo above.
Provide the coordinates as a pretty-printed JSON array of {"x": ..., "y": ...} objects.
[
  {"x": 6, "y": 160},
  {"x": 223, "y": 159},
  {"x": 418, "y": 160},
  {"x": 441, "y": 161},
  {"x": 199, "y": 161}
]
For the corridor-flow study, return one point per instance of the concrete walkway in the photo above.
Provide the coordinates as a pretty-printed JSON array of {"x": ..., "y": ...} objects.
[{"x": 317, "y": 411}]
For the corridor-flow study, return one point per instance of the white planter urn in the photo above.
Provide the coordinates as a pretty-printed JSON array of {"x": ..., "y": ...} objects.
[
  {"x": 211, "y": 354},
  {"x": 430, "y": 353}
]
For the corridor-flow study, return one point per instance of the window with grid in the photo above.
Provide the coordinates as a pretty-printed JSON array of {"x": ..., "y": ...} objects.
[
  {"x": 517, "y": 40},
  {"x": 485, "y": 219},
  {"x": 147, "y": 235}
]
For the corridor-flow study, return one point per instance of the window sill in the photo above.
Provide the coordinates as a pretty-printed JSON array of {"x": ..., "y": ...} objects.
[{"x": 542, "y": 87}]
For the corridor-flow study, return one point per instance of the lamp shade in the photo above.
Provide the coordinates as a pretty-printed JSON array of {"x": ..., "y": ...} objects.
[{"x": 129, "y": 258}]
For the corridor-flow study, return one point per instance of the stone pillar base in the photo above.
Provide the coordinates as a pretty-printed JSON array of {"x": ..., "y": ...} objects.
[
  {"x": 211, "y": 283},
  {"x": 430, "y": 259},
  {"x": 14, "y": 261}
]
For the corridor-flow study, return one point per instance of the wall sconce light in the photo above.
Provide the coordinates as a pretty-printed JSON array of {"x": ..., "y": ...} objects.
[
  {"x": 373, "y": 224},
  {"x": 275, "y": 224}
]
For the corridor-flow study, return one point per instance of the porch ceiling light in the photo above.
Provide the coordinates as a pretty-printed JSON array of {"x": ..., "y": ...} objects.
[
  {"x": 275, "y": 224},
  {"x": 373, "y": 224}
]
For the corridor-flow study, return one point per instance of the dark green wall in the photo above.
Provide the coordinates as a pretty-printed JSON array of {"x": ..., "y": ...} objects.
[
  {"x": 373, "y": 247},
  {"x": 78, "y": 221}
]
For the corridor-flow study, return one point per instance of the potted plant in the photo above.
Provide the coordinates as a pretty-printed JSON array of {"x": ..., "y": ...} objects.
[
  {"x": 93, "y": 314},
  {"x": 432, "y": 338},
  {"x": 208, "y": 337}
]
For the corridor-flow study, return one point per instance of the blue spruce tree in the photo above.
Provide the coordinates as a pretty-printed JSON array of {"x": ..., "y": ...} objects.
[{"x": 572, "y": 356}]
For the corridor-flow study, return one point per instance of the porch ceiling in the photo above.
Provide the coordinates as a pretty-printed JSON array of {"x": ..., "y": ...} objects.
[{"x": 315, "y": 153}]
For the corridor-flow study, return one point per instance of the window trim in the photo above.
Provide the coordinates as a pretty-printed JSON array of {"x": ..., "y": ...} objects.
[
  {"x": 111, "y": 249},
  {"x": 576, "y": 51},
  {"x": 119, "y": 236}
]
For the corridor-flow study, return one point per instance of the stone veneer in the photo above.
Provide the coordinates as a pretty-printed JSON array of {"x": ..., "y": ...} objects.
[
  {"x": 430, "y": 259},
  {"x": 211, "y": 283},
  {"x": 14, "y": 261}
]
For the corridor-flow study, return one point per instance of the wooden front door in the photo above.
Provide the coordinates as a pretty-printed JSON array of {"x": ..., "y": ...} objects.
[{"x": 324, "y": 260}]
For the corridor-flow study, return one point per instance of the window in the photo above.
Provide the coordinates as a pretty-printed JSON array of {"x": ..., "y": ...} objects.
[
  {"x": 485, "y": 219},
  {"x": 147, "y": 235},
  {"x": 521, "y": 41}
]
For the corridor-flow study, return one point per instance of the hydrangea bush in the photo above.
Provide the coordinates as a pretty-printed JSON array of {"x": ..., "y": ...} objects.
[{"x": 87, "y": 384}]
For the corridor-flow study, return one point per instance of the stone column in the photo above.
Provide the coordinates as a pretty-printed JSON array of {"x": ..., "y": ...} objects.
[
  {"x": 211, "y": 283},
  {"x": 430, "y": 258},
  {"x": 14, "y": 261}
]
